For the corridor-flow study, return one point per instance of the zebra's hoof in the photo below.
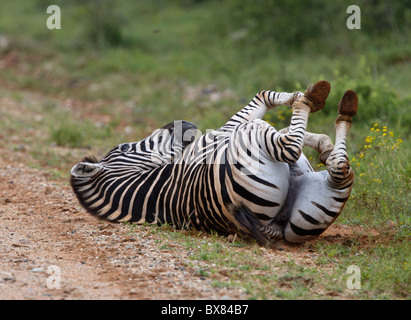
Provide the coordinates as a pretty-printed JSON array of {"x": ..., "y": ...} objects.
[
  {"x": 348, "y": 105},
  {"x": 317, "y": 94}
]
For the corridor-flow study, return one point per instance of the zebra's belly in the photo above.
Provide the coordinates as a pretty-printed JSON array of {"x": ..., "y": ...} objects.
[{"x": 263, "y": 190}]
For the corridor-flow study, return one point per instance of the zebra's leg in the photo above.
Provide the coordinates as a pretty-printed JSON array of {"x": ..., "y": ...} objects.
[
  {"x": 261, "y": 103},
  {"x": 340, "y": 174},
  {"x": 287, "y": 147},
  {"x": 319, "y": 142}
]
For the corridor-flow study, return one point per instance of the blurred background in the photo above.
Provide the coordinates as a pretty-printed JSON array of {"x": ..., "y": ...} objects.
[{"x": 116, "y": 70}]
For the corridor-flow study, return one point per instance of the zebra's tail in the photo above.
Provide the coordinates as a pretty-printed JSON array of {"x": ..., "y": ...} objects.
[{"x": 252, "y": 226}]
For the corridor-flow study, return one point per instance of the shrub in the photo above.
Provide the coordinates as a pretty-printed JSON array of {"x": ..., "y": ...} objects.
[
  {"x": 67, "y": 135},
  {"x": 378, "y": 101}
]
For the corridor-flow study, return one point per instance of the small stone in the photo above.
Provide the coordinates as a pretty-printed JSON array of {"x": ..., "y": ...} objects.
[
  {"x": 133, "y": 291},
  {"x": 9, "y": 279},
  {"x": 5, "y": 276}
]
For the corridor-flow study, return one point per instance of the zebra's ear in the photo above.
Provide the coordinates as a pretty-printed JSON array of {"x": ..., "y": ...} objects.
[{"x": 86, "y": 169}]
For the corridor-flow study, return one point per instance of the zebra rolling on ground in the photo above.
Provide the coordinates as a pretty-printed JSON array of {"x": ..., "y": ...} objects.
[{"x": 244, "y": 178}]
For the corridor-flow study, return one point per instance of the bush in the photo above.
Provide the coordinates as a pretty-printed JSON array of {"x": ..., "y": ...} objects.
[
  {"x": 67, "y": 135},
  {"x": 100, "y": 22},
  {"x": 378, "y": 101},
  {"x": 319, "y": 24}
]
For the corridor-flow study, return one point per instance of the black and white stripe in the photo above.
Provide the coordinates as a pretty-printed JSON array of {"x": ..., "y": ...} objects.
[{"x": 242, "y": 178}]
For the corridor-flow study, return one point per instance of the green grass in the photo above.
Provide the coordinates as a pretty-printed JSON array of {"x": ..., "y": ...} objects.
[
  {"x": 83, "y": 89},
  {"x": 317, "y": 270}
]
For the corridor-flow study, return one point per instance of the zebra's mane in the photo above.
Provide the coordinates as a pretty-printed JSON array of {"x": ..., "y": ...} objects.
[{"x": 90, "y": 159}]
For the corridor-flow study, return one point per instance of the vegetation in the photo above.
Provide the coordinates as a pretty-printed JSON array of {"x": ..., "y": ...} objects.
[
  {"x": 320, "y": 272},
  {"x": 117, "y": 70}
]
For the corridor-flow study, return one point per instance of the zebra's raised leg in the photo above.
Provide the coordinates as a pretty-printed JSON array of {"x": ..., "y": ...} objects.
[
  {"x": 340, "y": 174},
  {"x": 319, "y": 142},
  {"x": 261, "y": 103},
  {"x": 287, "y": 147}
]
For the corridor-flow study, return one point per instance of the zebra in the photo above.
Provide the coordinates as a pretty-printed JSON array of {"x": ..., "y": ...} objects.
[{"x": 244, "y": 178}]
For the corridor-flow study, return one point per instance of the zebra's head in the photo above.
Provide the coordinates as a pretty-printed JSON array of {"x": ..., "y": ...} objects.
[
  {"x": 121, "y": 156},
  {"x": 161, "y": 147},
  {"x": 93, "y": 180},
  {"x": 90, "y": 167},
  {"x": 89, "y": 175}
]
